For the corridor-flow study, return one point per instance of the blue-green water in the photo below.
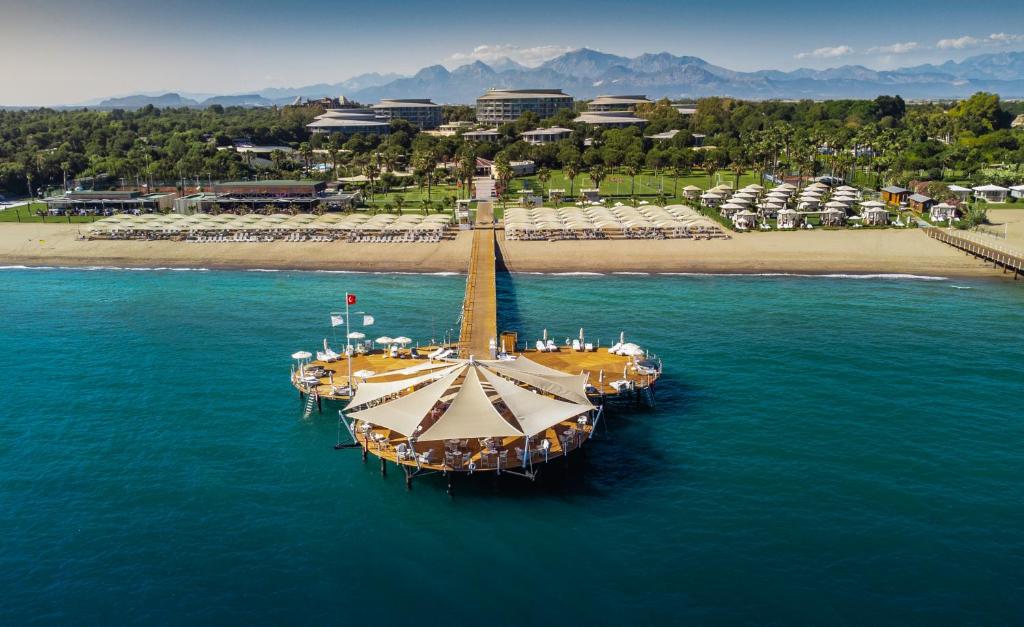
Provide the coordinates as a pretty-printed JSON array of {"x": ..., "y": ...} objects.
[{"x": 823, "y": 450}]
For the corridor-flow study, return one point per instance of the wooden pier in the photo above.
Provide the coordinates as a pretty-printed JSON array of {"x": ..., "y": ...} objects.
[
  {"x": 480, "y": 305},
  {"x": 1009, "y": 260}
]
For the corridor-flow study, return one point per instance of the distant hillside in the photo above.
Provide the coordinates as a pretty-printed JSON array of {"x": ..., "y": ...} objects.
[
  {"x": 588, "y": 73},
  {"x": 135, "y": 102}
]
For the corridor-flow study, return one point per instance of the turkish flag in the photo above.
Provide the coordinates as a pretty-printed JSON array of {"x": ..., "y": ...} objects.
[{"x": 350, "y": 299}]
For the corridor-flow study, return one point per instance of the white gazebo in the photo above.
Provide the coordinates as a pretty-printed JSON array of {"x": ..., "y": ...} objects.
[{"x": 991, "y": 193}]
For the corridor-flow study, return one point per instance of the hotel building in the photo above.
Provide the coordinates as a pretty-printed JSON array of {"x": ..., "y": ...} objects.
[{"x": 506, "y": 105}]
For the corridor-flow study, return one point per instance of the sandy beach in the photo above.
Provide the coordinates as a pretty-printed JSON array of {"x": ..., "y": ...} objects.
[{"x": 863, "y": 252}]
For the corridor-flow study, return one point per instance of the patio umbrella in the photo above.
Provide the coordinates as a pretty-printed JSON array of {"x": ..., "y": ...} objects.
[
  {"x": 401, "y": 339},
  {"x": 384, "y": 340}
]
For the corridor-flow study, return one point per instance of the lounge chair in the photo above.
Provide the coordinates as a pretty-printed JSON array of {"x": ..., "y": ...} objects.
[
  {"x": 576, "y": 345},
  {"x": 552, "y": 347},
  {"x": 541, "y": 347},
  {"x": 589, "y": 347}
]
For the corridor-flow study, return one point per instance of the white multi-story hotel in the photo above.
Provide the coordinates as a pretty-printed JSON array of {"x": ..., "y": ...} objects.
[
  {"x": 506, "y": 105},
  {"x": 419, "y": 111},
  {"x": 546, "y": 135}
]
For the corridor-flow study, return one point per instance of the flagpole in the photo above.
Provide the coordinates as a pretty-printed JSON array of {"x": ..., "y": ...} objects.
[{"x": 348, "y": 355}]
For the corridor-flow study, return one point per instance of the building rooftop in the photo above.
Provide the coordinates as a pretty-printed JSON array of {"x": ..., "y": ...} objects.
[
  {"x": 619, "y": 100},
  {"x": 501, "y": 94},
  {"x": 608, "y": 117},
  {"x": 554, "y": 130},
  {"x": 403, "y": 103}
]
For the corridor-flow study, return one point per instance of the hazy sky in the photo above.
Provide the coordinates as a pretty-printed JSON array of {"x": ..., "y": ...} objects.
[{"x": 70, "y": 51}]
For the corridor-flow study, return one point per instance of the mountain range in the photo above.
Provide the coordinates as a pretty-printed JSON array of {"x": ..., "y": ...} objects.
[{"x": 586, "y": 73}]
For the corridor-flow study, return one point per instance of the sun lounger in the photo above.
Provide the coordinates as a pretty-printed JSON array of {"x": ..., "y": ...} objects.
[
  {"x": 552, "y": 347},
  {"x": 589, "y": 347},
  {"x": 541, "y": 347},
  {"x": 576, "y": 345}
]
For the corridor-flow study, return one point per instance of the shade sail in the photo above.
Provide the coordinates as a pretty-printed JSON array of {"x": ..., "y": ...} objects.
[
  {"x": 570, "y": 387},
  {"x": 470, "y": 415},
  {"x": 535, "y": 412},
  {"x": 406, "y": 412},
  {"x": 369, "y": 392}
]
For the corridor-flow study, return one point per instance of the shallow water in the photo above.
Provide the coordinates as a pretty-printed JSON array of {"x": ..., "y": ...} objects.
[{"x": 822, "y": 450}]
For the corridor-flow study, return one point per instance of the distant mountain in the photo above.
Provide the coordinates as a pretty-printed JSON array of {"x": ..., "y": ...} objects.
[
  {"x": 586, "y": 73},
  {"x": 1003, "y": 66},
  {"x": 249, "y": 100},
  {"x": 136, "y": 102}
]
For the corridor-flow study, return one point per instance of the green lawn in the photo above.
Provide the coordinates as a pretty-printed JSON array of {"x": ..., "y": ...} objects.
[
  {"x": 28, "y": 214},
  {"x": 620, "y": 186},
  {"x": 414, "y": 196}
]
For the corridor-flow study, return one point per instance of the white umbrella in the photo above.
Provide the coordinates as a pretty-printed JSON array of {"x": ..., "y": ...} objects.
[
  {"x": 356, "y": 335},
  {"x": 302, "y": 355},
  {"x": 401, "y": 339},
  {"x": 384, "y": 340},
  {"x": 545, "y": 335},
  {"x": 581, "y": 335}
]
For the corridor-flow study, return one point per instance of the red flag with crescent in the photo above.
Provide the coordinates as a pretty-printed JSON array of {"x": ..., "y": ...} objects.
[{"x": 350, "y": 299}]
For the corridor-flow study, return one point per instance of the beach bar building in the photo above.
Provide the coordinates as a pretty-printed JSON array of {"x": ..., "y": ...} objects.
[
  {"x": 894, "y": 195},
  {"x": 108, "y": 201},
  {"x": 260, "y": 196},
  {"x": 920, "y": 204}
]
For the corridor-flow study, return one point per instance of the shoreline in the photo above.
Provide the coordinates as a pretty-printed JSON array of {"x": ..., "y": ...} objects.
[{"x": 881, "y": 253}]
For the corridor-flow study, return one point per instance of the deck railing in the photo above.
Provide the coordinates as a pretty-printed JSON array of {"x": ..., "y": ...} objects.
[{"x": 975, "y": 244}]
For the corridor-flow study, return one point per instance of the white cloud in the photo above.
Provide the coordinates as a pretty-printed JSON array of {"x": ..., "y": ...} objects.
[
  {"x": 529, "y": 56},
  {"x": 829, "y": 52},
  {"x": 959, "y": 43},
  {"x": 896, "y": 48},
  {"x": 1005, "y": 38}
]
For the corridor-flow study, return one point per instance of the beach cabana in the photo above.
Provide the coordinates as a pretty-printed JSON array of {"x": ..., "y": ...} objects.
[
  {"x": 833, "y": 217},
  {"x": 875, "y": 216},
  {"x": 744, "y": 219},
  {"x": 788, "y": 219},
  {"x": 691, "y": 191},
  {"x": 942, "y": 212}
]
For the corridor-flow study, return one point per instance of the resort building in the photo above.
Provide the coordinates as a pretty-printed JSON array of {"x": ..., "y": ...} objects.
[
  {"x": 519, "y": 168},
  {"x": 261, "y": 196},
  {"x": 920, "y": 203},
  {"x": 419, "y": 111},
  {"x": 667, "y": 135},
  {"x": 991, "y": 193},
  {"x": 489, "y": 135},
  {"x": 894, "y": 195},
  {"x": 546, "y": 135},
  {"x": 349, "y": 122},
  {"x": 962, "y": 193},
  {"x": 1017, "y": 191},
  {"x": 610, "y": 119},
  {"x": 451, "y": 129},
  {"x": 686, "y": 109},
  {"x": 506, "y": 105},
  {"x": 108, "y": 202},
  {"x": 616, "y": 103}
]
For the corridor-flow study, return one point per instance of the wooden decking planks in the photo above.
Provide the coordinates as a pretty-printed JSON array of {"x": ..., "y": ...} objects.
[{"x": 480, "y": 306}]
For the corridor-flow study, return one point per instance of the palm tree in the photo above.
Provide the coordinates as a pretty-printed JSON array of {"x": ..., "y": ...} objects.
[
  {"x": 543, "y": 176},
  {"x": 370, "y": 171},
  {"x": 711, "y": 168},
  {"x": 571, "y": 170},
  {"x": 399, "y": 203},
  {"x": 598, "y": 173}
]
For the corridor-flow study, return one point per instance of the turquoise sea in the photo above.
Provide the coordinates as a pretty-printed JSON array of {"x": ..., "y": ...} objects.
[{"x": 824, "y": 450}]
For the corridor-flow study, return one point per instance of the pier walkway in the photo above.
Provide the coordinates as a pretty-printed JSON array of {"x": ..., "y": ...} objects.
[
  {"x": 480, "y": 306},
  {"x": 1008, "y": 259}
]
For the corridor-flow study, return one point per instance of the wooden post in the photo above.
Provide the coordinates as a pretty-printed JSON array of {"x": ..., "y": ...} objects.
[
  {"x": 383, "y": 467},
  {"x": 319, "y": 404}
]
